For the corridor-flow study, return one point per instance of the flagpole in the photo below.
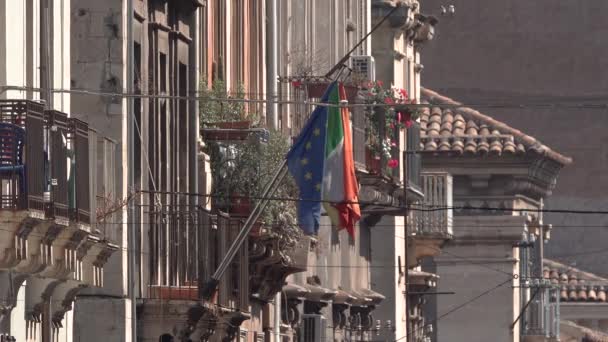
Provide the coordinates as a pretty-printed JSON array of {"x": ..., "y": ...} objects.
[{"x": 210, "y": 286}]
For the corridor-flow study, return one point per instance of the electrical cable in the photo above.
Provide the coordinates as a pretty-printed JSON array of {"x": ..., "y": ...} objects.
[
  {"x": 456, "y": 308},
  {"x": 503, "y": 105}
]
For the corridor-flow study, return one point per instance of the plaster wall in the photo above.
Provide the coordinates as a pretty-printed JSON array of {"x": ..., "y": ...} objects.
[
  {"x": 20, "y": 39},
  {"x": 529, "y": 52}
]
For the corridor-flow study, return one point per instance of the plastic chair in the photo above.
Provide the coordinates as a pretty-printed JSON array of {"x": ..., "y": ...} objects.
[{"x": 12, "y": 167}]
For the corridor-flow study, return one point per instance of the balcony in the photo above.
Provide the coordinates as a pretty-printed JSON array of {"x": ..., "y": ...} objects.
[
  {"x": 186, "y": 244},
  {"x": 541, "y": 319},
  {"x": 48, "y": 178},
  {"x": 430, "y": 224}
]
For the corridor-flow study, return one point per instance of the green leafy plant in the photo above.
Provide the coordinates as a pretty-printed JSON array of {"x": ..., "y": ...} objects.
[
  {"x": 242, "y": 170},
  {"x": 215, "y": 104},
  {"x": 382, "y": 120}
]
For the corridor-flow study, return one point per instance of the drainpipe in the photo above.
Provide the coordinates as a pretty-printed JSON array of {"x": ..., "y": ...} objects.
[
  {"x": 131, "y": 177},
  {"x": 272, "y": 116}
]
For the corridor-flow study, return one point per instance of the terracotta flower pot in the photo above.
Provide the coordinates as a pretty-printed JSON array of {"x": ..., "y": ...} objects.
[
  {"x": 373, "y": 163},
  {"x": 239, "y": 205},
  {"x": 232, "y": 124},
  {"x": 316, "y": 90}
]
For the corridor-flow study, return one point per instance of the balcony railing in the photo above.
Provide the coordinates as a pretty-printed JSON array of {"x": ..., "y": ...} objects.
[
  {"x": 186, "y": 245},
  {"x": 542, "y": 314},
  {"x": 434, "y": 216},
  {"x": 49, "y": 164},
  {"x": 22, "y": 160}
]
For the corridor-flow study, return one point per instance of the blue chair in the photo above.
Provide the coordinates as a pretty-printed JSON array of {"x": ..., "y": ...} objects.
[{"x": 12, "y": 166}]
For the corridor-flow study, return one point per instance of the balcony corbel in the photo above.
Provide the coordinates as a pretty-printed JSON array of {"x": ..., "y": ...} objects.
[
  {"x": 28, "y": 248},
  {"x": 295, "y": 295},
  {"x": 12, "y": 223},
  {"x": 62, "y": 299},
  {"x": 270, "y": 265},
  {"x": 11, "y": 283},
  {"x": 37, "y": 293}
]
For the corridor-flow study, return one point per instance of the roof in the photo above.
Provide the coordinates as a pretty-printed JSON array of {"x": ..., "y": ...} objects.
[
  {"x": 576, "y": 285},
  {"x": 570, "y": 331},
  {"x": 464, "y": 130}
]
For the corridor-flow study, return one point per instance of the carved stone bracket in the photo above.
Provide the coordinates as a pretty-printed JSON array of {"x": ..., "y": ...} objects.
[
  {"x": 228, "y": 325},
  {"x": 269, "y": 265}
]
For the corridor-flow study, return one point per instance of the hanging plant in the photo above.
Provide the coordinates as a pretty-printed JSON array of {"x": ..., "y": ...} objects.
[{"x": 382, "y": 120}]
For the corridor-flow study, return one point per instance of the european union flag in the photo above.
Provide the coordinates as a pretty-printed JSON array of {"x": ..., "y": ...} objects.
[{"x": 305, "y": 161}]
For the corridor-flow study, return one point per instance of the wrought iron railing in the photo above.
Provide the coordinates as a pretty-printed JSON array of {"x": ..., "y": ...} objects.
[
  {"x": 434, "y": 214},
  {"x": 23, "y": 169},
  {"x": 45, "y": 163},
  {"x": 541, "y": 316},
  {"x": 186, "y": 244}
]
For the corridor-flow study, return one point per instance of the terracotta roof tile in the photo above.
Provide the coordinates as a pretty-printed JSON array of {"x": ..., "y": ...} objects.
[
  {"x": 467, "y": 131},
  {"x": 576, "y": 285}
]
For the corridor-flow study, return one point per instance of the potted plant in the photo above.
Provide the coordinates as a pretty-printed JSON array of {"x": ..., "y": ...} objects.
[
  {"x": 240, "y": 173},
  {"x": 228, "y": 114},
  {"x": 383, "y": 123}
]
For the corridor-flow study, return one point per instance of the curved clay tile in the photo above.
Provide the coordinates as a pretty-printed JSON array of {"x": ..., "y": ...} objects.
[
  {"x": 476, "y": 115},
  {"x": 572, "y": 295},
  {"x": 563, "y": 278},
  {"x": 520, "y": 148},
  {"x": 591, "y": 294},
  {"x": 509, "y": 147},
  {"x": 496, "y": 145},
  {"x": 582, "y": 293},
  {"x": 483, "y": 147},
  {"x": 472, "y": 128},
  {"x": 430, "y": 145},
  {"x": 563, "y": 294},
  {"x": 470, "y": 146},
  {"x": 601, "y": 294},
  {"x": 458, "y": 145},
  {"x": 459, "y": 125},
  {"x": 444, "y": 144}
]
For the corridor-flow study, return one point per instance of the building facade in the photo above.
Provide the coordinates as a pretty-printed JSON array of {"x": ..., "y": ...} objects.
[
  {"x": 503, "y": 59},
  {"x": 500, "y": 179},
  {"x": 54, "y": 167}
]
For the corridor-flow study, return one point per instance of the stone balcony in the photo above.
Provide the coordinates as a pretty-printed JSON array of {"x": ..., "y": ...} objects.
[
  {"x": 47, "y": 209},
  {"x": 430, "y": 221}
]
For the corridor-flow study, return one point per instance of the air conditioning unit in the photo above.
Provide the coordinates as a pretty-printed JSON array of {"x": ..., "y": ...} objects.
[
  {"x": 313, "y": 328},
  {"x": 364, "y": 67}
]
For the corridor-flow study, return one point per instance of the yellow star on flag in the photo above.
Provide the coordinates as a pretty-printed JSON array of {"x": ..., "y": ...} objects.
[
  {"x": 304, "y": 161},
  {"x": 318, "y": 186},
  {"x": 308, "y": 145},
  {"x": 308, "y": 175},
  {"x": 316, "y": 132}
]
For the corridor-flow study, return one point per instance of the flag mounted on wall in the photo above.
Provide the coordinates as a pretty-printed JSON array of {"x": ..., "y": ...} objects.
[{"x": 321, "y": 162}]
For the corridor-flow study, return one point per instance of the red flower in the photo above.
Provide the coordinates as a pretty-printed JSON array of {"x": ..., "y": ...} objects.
[
  {"x": 406, "y": 119},
  {"x": 388, "y": 100},
  {"x": 296, "y": 84},
  {"x": 408, "y": 123},
  {"x": 403, "y": 93},
  {"x": 392, "y": 163},
  {"x": 379, "y": 83}
]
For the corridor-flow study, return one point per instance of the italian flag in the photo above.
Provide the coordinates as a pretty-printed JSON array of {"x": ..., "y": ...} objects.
[{"x": 339, "y": 186}]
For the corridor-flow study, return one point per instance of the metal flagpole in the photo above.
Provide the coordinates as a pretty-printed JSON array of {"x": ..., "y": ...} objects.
[{"x": 210, "y": 286}]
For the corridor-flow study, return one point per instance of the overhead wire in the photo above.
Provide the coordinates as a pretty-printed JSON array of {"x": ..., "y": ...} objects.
[
  {"x": 454, "y": 309},
  {"x": 497, "y": 105}
]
